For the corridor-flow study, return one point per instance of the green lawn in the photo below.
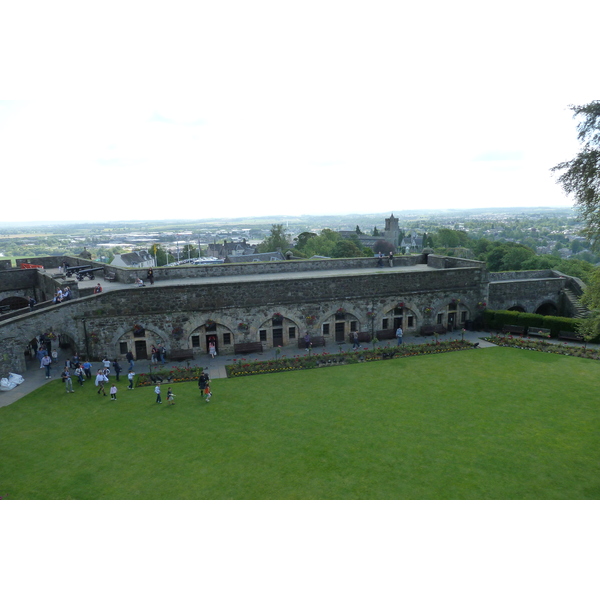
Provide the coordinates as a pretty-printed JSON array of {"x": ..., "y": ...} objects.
[{"x": 489, "y": 423}]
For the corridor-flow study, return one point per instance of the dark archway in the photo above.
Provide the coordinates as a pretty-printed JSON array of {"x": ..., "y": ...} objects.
[
  {"x": 547, "y": 309},
  {"x": 15, "y": 302},
  {"x": 516, "y": 309}
]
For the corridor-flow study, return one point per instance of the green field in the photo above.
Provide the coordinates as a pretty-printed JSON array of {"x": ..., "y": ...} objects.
[{"x": 494, "y": 423}]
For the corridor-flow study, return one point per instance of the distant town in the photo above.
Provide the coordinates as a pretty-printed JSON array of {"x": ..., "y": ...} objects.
[{"x": 553, "y": 234}]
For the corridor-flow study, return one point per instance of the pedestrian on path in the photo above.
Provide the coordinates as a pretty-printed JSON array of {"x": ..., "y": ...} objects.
[
  {"x": 87, "y": 369},
  {"x": 399, "y": 334},
  {"x": 113, "y": 392},
  {"x": 355, "y": 343},
  {"x": 79, "y": 373},
  {"x": 130, "y": 376},
  {"x": 157, "y": 392},
  {"x": 47, "y": 363},
  {"x": 212, "y": 349}
]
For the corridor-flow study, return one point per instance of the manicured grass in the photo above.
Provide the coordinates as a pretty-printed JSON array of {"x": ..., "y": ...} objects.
[{"x": 489, "y": 423}]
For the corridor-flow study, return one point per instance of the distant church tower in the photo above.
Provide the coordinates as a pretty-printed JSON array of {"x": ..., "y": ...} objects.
[{"x": 392, "y": 231}]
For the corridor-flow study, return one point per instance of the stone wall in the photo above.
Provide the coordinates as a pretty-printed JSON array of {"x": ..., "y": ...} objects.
[{"x": 529, "y": 294}]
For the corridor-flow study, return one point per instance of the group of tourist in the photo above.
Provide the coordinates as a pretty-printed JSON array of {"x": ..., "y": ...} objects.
[
  {"x": 157, "y": 354},
  {"x": 59, "y": 296}
]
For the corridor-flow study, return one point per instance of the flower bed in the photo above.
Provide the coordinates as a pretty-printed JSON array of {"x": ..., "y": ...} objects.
[
  {"x": 174, "y": 375},
  {"x": 525, "y": 343},
  {"x": 243, "y": 367}
]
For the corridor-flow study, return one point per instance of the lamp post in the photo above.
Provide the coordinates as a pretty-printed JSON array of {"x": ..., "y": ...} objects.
[{"x": 85, "y": 337}]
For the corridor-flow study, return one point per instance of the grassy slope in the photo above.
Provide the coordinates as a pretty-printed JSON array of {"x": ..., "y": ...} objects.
[{"x": 494, "y": 423}]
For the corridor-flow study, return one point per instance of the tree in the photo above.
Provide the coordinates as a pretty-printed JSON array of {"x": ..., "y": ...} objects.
[
  {"x": 375, "y": 232},
  {"x": 383, "y": 246},
  {"x": 302, "y": 239},
  {"x": 277, "y": 240},
  {"x": 580, "y": 176},
  {"x": 358, "y": 231}
]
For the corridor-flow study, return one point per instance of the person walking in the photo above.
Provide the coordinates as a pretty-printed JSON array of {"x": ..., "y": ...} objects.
[
  {"x": 47, "y": 363},
  {"x": 87, "y": 369},
  {"x": 202, "y": 383},
  {"x": 66, "y": 377},
  {"x": 380, "y": 260},
  {"x": 101, "y": 379},
  {"x": 129, "y": 357},
  {"x": 117, "y": 368},
  {"x": 355, "y": 343},
  {"x": 163, "y": 353},
  {"x": 113, "y": 392},
  {"x": 130, "y": 376},
  {"x": 154, "y": 353},
  {"x": 399, "y": 334},
  {"x": 79, "y": 373},
  {"x": 391, "y": 258},
  {"x": 212, "y": 349},
  {"x": 157, "y": 392},
  {"x": 151, "y": 276},
  {"x": 170, "y": 396}
]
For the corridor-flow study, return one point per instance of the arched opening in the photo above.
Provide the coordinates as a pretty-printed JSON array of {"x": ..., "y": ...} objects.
[
  {"x": 139, "y": 341},
  {"x": 278, "y": 330},
  {"x": 13, "y": 303},
  {"x": 547, "y": 309},
  {"x": 400, "y": 316},
  {"x": 211, "y": 331},
  {"x": 516, "y": 308}
]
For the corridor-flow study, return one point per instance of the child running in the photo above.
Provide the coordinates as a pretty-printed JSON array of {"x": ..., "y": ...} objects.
[
  {"x": 157, "y": 392},
  {"x": 113, "y": 392},
  {"x": 130, "y": 376},
  {"x": 207, "y": 394},
  {"x": 170, "y": 396}
]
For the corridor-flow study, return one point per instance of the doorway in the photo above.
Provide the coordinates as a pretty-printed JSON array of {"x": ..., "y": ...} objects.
[
  {"x": 215, "y": 340},
  {"x": 277, "y": 336},
  {"x": 340, "y": 331},
  {"x": 140, "y": 350},
  {"x": 451, "y": 321}
]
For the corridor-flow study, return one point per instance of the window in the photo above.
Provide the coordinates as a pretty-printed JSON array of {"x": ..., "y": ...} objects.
[
  {"x": 226, "y": 338},
  {"x": 463, "y": 316},
  {"x": 325, "y": 328},
  {"x": 292, "y": 333},
  {"x": 411, "y": 321},
  {"x": 123, "y": 347},
  {"x": 353, "y": 325},
  {"x": 262, "y": 335},
  {"x": 195, "y": 341},
  {"x": 339, "y": 316},
  {"x": 385, "y": 323},
  {"x": 397, "y": 311},
  {"x": 211, "y": 326},
  {"x": 439, "y": 318}
]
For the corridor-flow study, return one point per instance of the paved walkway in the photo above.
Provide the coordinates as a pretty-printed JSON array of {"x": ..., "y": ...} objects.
[{"x": 35, "y": 377}]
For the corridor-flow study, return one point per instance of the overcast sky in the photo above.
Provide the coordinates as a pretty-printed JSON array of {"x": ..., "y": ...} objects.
[{"x": 147, "y": 110}]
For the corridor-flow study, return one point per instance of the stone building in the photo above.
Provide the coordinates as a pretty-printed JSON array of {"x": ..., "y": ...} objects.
[{"x": 272, "y": 302}]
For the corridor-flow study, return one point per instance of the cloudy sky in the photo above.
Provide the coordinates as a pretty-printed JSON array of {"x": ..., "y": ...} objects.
[{"x": 160, "y": 110}]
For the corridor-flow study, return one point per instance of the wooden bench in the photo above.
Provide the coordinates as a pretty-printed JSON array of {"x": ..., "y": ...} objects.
[
  {"x": 385, "y": 334},
  {"x": 431, "y": 329},
  {"x": 363, "y": 336},
  {"x": 570, "y": 336},
  {"x": 181, "y": 354},
  {"x": 317, "y": 340},
  {"x": 538, "y": 331},
  {"x": 516, "y": 329},
  {"x": 247, "y": 347},
  {"x": 110, "y": 276}
]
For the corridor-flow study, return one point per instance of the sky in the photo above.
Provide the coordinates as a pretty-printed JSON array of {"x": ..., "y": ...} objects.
[{"x": 128, "y": 110}]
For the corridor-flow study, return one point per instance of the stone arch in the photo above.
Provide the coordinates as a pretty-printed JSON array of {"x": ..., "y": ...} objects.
[
  {"x": 125, "y": 340},
  {"x": 277, "y": 331},
  {"x": 517, "y": 308},
  {"x": 15, "y": 302},
  {"x": 199, "y": 335},
  {"x": 401, "y": 313},
  {"x": 547, "y": 308}
]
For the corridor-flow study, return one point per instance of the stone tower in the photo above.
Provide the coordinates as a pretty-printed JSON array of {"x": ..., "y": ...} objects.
[{"x": 392, "y": 231}]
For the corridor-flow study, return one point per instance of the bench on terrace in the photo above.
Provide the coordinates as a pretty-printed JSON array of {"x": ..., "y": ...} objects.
[
  {"x": 385, "y": 334},
  {"x": 181, "y": 354},
  {"x": 431, "y": 329},
  {"x": 538, "y": 331},
  {"x": 363, "y": 336},
  {"x": 247, "y": 347},
  {"x": 317, "y": 340},
  {"x": 516, "y": 329},
  {"x": 570, "y": 336}
]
